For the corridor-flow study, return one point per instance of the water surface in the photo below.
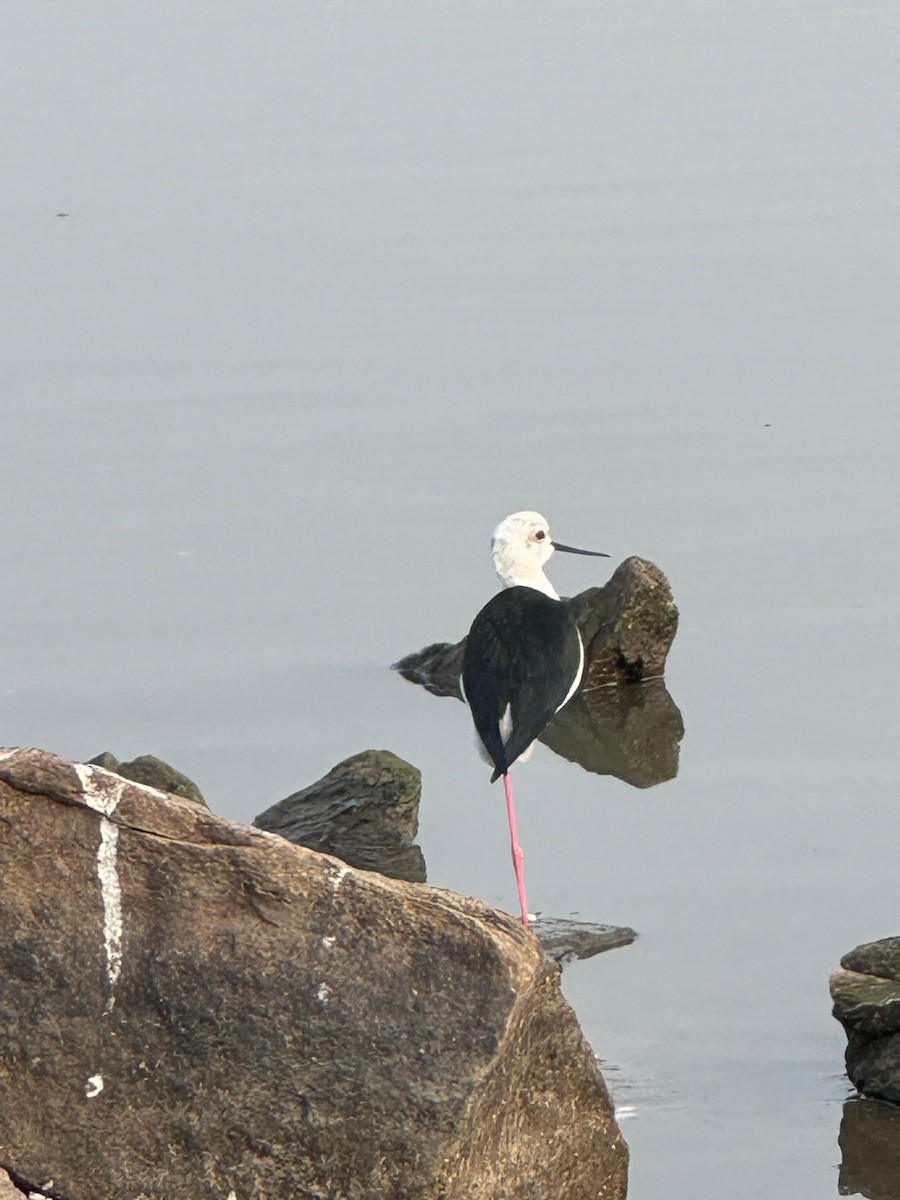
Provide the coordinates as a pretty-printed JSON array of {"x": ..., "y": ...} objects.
[{"x": 339, "y": 286}]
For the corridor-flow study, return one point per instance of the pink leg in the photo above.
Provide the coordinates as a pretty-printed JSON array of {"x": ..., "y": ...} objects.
[{"x": 517, "y": 856}]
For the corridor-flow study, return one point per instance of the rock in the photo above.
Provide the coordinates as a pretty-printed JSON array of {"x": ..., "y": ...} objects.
[
  {"x": 365, "y": 811},
  {"x": 152, "y": 772},
  {"x": 881, "y": 958},
  {"x": 866, "y": 995},
  {"x": 628, "y": 626},
  {"x": 8, "y": 1190},
  {"x": 437, "y": 668},
  {"x": 191, "y": 1008},
  {"x": 870, "y": 1150},
  {"x": 566, "y": 941}
]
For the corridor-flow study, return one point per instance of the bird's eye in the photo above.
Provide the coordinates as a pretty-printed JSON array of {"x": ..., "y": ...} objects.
[{"x": 540, "y": 535}]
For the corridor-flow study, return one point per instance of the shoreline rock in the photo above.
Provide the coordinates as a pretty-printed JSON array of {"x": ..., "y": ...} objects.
[
  {"x": 193, "y": 1008},
  {"x": 152, "y": 772},
  {"x": 365, "y": 811},
  {"x": 866, "y": 995}
]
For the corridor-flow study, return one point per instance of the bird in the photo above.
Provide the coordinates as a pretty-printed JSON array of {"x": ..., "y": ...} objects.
[{"x": 523, "y": 657}]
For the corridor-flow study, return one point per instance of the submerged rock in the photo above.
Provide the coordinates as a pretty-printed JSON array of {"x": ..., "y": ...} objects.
[
  {"x": 566, "y": 941},
  {"x": 365, "y": 811},
  {"x": 152, "y": 772},
  {"x": 195, "y": 1008},
  {"x": 866, "y": 995}
]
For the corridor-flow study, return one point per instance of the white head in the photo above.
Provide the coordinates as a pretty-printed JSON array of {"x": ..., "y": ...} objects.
[{"x": 521, "y": 545}]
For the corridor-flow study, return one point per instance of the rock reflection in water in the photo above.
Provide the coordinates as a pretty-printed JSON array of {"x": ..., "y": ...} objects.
[
  {"x": 870, "y": 1150},
  {"x": 631, "y": 731}
]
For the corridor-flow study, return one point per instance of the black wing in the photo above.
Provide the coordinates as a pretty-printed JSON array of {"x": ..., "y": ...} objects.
[{"x": 523, "y": 651}]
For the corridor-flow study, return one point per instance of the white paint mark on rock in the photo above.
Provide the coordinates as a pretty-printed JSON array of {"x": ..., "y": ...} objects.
[
  {"x": 323, "y": 993},
  {"x": 337, "y": 877},
  {"x": 328, "y": 942},
  {"x": 111, "y": 891},
  {"x": 103, "y": 791},
  {"x": 94, "y": 1086}
]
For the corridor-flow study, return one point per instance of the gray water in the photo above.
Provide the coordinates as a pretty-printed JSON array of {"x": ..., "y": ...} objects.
[{"x": 337, "y": 287}]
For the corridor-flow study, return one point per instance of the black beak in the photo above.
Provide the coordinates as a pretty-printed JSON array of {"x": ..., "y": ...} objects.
[{"x": 572, "y": 550}]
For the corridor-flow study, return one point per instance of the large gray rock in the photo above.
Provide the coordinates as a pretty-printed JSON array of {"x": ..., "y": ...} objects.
[
  {"x": 866, "y": 995},
  {"x": 365, "y": 811},
  {"x": 194, "y": 1009}
]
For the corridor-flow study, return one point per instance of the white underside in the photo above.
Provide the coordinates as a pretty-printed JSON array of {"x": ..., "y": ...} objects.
[{"x": 506, "y": 728}]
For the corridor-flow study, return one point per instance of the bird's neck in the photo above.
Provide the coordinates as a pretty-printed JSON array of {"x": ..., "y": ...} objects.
[{"x": 533, "y": 577}]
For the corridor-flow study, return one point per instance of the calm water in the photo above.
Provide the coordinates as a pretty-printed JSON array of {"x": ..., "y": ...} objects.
[{"x": 338, "y": 287}]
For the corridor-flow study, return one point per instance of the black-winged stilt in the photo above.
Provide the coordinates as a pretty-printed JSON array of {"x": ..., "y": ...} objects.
[{"x": 523, "y": 658}]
